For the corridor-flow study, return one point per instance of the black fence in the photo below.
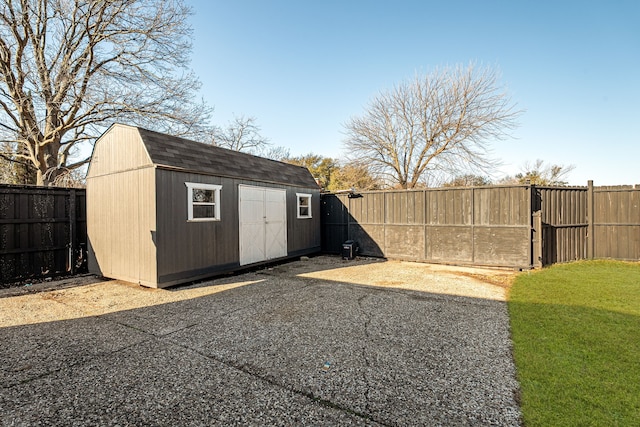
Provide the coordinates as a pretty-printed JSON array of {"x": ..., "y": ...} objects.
[{"x": 43, "y": 232}]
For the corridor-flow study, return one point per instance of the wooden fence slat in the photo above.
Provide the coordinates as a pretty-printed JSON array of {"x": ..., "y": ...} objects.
[
  {"x": 510, "y": 226},
  {"x": 42, "y": 231}
]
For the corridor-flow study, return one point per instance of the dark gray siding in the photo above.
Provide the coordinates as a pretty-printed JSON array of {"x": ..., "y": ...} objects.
[
  {"x": 303, "y": 235},
  {"x": 193, "y": 249},
  {"x": 190, "y": 250}
]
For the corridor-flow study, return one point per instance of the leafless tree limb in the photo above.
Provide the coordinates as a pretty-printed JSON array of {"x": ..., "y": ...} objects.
[
  {"x": 441, "y": 123},
  {"x": 539, "y": 173},
  {"x": 69, "y": 68},
  {"x": 241, "y": 134}
]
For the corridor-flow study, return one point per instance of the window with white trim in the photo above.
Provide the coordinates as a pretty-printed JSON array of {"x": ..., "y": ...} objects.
[
  {"x": 304, "y": 205},
  {"x": 203, "y": 201}
]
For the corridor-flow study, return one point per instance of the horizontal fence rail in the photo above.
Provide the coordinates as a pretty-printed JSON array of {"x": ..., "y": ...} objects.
[{"x": 42, "y": 232}]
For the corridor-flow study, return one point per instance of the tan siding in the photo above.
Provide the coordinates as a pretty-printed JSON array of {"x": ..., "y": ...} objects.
[
  {"x": 119, "y": 149},
  {"x": 120, "y": 224}
]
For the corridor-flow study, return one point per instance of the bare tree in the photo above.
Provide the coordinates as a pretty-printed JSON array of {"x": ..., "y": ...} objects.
[
  {"x": 241, "y": 134},
  {"x": 69, "y": 68},
  {"x": 14, "y": 170},
  {"x": 439, "y": 123},
  {"x": 540, "y": 174},
  {"x": 276, "y": 152}
]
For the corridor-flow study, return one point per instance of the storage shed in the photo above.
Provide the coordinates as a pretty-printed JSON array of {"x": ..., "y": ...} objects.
[{"x": 163, "y": 210}]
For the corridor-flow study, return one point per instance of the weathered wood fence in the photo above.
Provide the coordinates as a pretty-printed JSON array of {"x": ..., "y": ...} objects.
[
  {"x": 520, "y": 226},
  {"x": 42, "y": 232}
]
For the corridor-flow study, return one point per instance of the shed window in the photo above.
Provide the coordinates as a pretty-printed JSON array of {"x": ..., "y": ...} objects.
[
  {"x": 203, "y": 201},
  {"x": 304, "y": 205}
]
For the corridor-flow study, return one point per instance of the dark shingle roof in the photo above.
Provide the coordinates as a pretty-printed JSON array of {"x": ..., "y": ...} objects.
[{"x": 179, "y": 153}]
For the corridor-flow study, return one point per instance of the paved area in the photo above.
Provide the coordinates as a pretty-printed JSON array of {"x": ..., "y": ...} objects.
[{"x": 304, "y": 343}]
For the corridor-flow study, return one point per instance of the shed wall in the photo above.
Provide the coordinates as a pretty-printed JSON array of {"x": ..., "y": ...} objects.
[
  {"x": 192, "y": 250},
  {"x": 121, "y": 225}
]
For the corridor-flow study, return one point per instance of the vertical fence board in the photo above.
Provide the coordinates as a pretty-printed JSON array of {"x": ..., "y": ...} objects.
[
  {"x": 37, "y": 238},
  {"x": 511, "y": 226},
  {"x": 617, "y": 222}
]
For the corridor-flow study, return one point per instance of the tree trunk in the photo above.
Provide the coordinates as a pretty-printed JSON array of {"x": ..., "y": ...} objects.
[{"x": 48, "y": 169}]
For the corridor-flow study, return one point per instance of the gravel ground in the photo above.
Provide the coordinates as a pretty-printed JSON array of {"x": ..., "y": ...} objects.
[{"x": 315, "y": 342}]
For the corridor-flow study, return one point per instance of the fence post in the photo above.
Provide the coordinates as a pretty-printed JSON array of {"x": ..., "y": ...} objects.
[
  {"x": 537, "y": 239},
  {"x": 473, "y": 225},
  {"x": 72, "y": 231},
  {"x": 349, "y": 218},
  {"x": 590, "y": 221},
  {"x": 536, "y": 247}
]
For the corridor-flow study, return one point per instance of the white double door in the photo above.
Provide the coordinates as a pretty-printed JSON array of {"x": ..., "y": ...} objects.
[{"x": 263, "y": 223}]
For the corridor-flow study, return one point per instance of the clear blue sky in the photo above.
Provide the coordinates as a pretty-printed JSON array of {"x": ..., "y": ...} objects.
[{"x": 303, "y": 68}]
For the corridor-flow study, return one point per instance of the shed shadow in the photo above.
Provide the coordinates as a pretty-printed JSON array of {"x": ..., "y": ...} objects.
[{"x": 329, "y": 344}]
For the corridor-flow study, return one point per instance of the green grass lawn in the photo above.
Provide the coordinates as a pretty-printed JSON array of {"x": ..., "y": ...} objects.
[{"x": 576, "y": 334}]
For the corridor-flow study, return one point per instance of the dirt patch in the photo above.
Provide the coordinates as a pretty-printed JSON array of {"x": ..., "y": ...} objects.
[
  {"x": 25, "y": 287},
  {"x": 433, "y": 278}
]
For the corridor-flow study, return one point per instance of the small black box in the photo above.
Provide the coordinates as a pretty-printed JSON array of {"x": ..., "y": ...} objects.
[{"x": 349, "y": 249}]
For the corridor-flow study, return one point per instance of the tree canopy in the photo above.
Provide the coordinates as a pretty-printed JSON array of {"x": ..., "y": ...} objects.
[
  {"x": 334, "y": 176},
  {"x": 468, "y": 180},
  {"x": 439, "y": 123},
  {"x": 70, "y": 68}
]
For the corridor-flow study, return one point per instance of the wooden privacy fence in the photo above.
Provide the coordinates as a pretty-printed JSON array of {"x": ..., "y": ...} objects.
[
  {"x": 42, "y": 231},
  {"x": 521, "y": 226}
]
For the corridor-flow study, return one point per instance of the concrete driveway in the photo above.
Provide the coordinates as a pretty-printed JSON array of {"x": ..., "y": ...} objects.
[{"x": 303, "y": 343}]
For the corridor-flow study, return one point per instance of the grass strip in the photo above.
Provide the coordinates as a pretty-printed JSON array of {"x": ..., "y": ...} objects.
[{"x": 576, "y": 334}]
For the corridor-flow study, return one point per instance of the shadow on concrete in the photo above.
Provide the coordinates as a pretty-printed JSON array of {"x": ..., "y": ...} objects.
[{"x": 286, "y": 349}]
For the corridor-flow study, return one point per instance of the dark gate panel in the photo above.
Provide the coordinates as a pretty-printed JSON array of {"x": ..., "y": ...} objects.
[
  {"x": 565, "y": 224},
  {"x": 334, "y": 223}
]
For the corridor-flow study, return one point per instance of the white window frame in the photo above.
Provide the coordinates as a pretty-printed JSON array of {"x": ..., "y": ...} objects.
[
  {"x": 298, "y": 206},
  {"x": 190, "y": 203}
]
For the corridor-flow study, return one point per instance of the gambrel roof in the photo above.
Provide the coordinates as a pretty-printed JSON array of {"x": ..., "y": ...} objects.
[{"x": 172, "y": 152}]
